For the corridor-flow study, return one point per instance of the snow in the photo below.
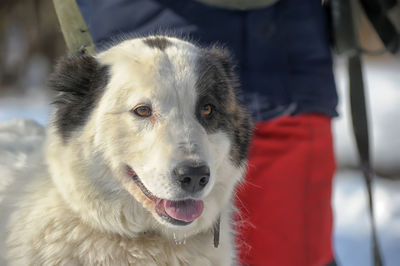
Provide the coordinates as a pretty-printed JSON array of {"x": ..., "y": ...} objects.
[
  {"x": 382, "y": 79},
  {"x": 34, "y": 105},
  {"x": 352, "y": 224},
  {"x": 19, "y": 138}
]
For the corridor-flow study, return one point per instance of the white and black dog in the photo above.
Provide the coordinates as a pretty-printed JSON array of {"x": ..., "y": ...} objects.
[{"x": 146, "y": 146}]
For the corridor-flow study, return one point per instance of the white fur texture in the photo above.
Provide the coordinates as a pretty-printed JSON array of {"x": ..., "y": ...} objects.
[{"x": 82, "y": 208}]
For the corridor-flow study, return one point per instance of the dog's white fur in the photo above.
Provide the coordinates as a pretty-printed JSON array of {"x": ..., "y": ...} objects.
[{"x": 84, "y": 210}]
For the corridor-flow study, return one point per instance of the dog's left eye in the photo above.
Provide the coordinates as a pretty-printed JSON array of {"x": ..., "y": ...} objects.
[
  {"x": 206, "y": 110},
  {"x": 143, "y": 111}
]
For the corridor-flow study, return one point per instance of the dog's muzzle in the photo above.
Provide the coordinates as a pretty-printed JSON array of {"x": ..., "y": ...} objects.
[{"x": 179, "y": 212}]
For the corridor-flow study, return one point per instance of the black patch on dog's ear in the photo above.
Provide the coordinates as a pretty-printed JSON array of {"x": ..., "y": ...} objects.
[
  {"x": 157, "y": 42},
  {"x": 80, "y": 81},
  {"x": 224, "y": 58},
  {"x": 218, "y": 85}
]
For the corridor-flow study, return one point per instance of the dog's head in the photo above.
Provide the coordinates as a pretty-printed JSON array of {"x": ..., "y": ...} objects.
[{"x": 162, "y": 115}]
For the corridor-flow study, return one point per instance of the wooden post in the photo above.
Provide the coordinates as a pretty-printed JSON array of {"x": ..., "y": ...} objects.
[{"x": 75, "y": 31}]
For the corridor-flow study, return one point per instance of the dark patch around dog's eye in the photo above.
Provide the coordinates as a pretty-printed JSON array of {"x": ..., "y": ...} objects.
[
  {"x": 80, "y": 81},
  {"x": 217, "y": 84}
]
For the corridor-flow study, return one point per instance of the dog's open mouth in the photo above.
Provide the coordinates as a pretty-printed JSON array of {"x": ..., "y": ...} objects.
[{"x": 181, "y": 212}]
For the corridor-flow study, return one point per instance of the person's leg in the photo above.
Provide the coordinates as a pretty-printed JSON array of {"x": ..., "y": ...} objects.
[{"x": 285, "y": 203}]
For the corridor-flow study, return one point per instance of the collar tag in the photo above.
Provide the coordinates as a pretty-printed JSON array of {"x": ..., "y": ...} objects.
[{"x": 217, "y": 226}]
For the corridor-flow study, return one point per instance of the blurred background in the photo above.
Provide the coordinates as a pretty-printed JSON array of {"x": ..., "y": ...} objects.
[{"x": 31, "y": 42}]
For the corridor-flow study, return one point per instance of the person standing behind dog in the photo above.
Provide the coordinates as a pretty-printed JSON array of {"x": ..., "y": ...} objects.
[{"x": 285, "y": 66}]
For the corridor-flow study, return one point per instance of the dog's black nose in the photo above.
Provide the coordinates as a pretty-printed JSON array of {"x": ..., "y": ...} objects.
[{"x": 192, "y": 178}]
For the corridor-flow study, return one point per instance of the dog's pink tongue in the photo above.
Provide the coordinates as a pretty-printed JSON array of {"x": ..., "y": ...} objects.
[{"x": 184, "y": 210}]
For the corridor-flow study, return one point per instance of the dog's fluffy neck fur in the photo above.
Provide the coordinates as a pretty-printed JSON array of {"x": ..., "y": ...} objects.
[{"x": 61, "y": 233}]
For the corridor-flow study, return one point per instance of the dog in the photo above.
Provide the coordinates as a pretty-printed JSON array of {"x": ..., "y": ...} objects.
[{"x": 146, "y": 145}]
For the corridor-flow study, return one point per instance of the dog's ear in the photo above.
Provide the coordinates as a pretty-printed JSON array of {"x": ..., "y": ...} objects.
[
  {"x": 224, "y": 60},
  {"x": 80, "y": 81}
]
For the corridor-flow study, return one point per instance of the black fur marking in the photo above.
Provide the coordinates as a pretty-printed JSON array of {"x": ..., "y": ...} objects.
[
  {"x": 80, "y": 81},
  {"x": 157, "y": 42},
  {"x": 217, "y": 85}
]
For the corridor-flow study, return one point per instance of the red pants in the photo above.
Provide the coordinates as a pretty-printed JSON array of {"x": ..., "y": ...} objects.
[{"x": 285, "y": 203}]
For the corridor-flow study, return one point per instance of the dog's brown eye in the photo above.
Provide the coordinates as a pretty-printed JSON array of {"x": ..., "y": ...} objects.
[
  {"x": 143, "y": 111},
  {"x": 206, "y": 110}
]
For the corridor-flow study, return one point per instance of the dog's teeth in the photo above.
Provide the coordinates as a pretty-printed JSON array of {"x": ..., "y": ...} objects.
[{"x": 179, "y": 242}]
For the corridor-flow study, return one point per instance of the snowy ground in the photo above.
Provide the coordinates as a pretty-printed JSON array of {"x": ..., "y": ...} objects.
[{"x": 352, "y": 236}]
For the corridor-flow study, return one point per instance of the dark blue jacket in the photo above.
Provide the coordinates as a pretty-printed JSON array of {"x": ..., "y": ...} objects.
[{"x": 282, "y": 51}]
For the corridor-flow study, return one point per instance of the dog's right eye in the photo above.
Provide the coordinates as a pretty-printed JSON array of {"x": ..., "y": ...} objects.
[{"x": 143, "y": 111}]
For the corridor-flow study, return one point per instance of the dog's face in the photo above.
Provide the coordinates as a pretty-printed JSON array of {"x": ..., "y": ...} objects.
[{"x": 166, "y": 121}]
